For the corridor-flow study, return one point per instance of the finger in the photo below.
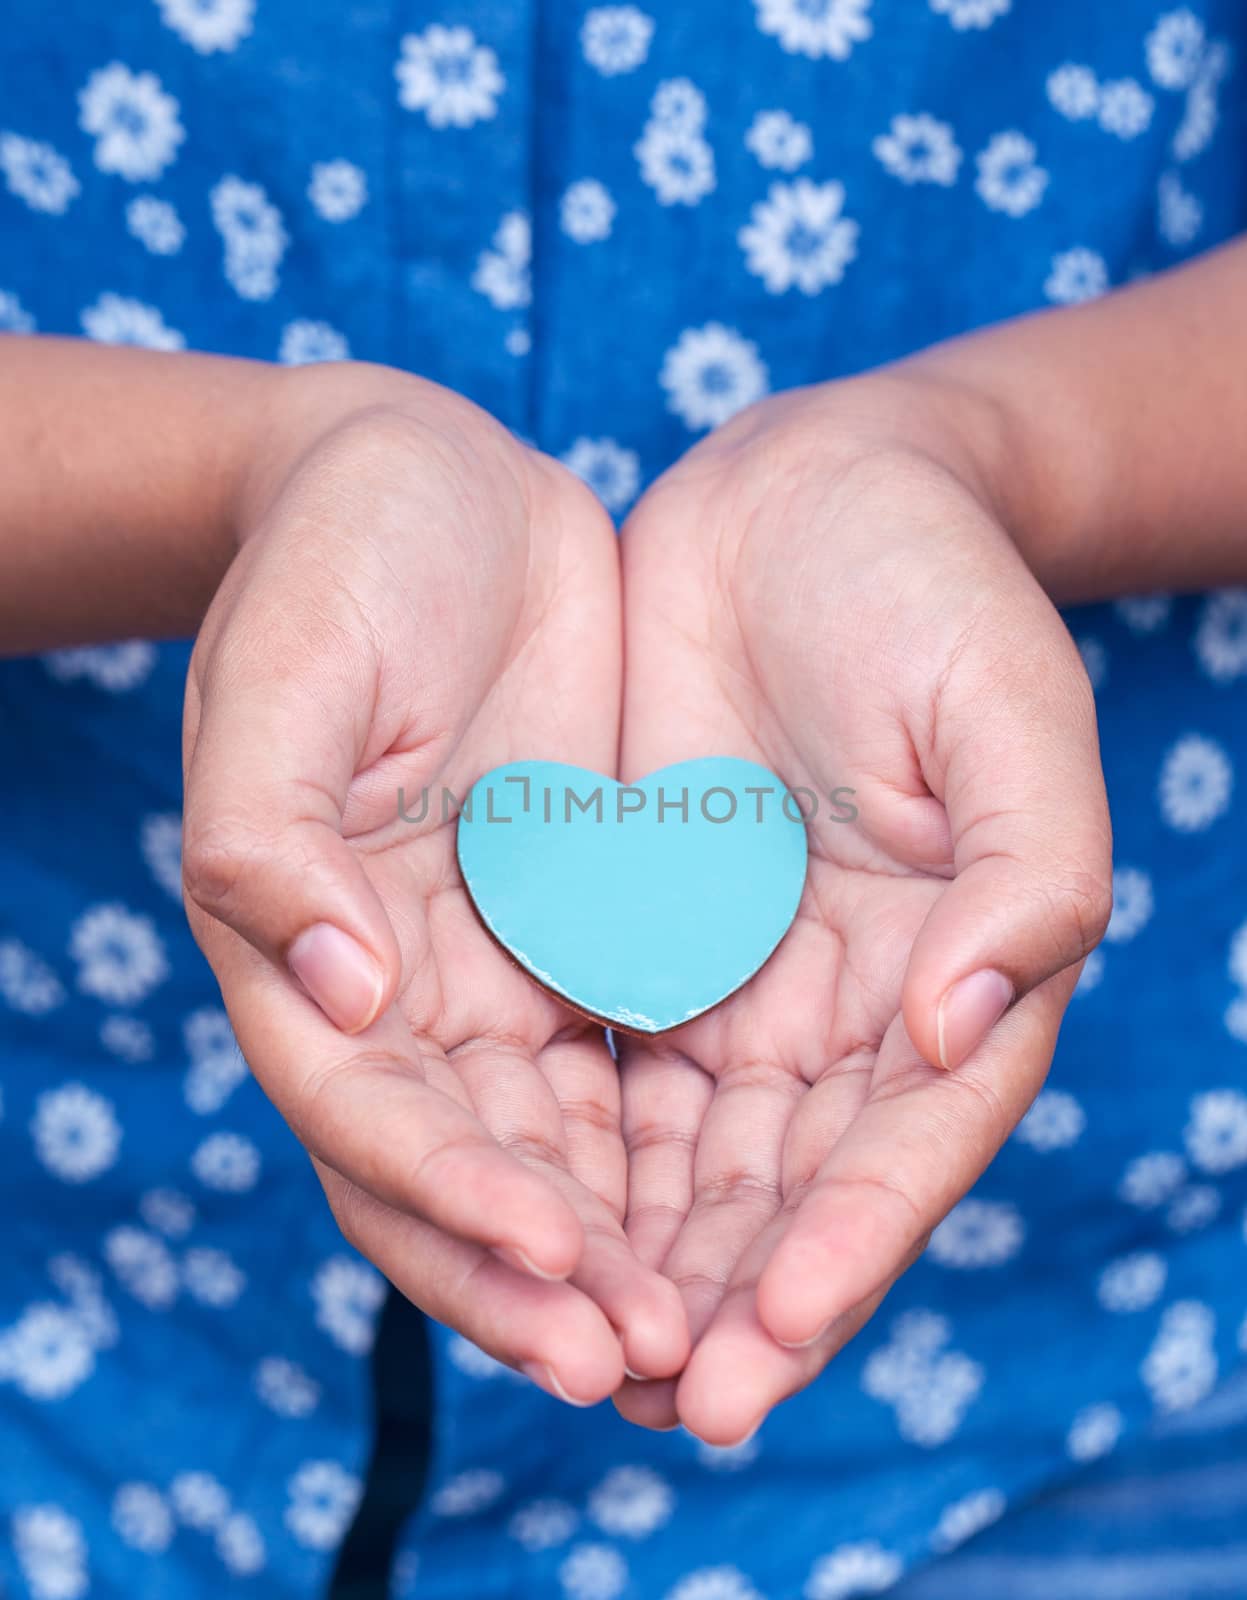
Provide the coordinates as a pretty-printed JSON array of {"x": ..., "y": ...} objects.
[
  {"x": 366, "y": 1108},
  {"x": 738, "y": 1373},
  {"x": 642, "y": 1304},
  {"x": 920, "y": 1141},
  {"x": 737, "y": 1177},
  {"x": 278, "y": 720},
  {"x": 1016, "y": 762},
  {"x": 550, "y": 1331},
  {"x": 520, "y": 1109},
  {"x": 664, "y": 1096}
]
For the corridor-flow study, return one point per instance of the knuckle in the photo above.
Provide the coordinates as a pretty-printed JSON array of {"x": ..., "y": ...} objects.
[{"x": 215, "y": 857}]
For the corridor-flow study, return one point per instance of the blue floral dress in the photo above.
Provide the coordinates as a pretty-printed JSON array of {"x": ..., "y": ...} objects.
[{"x": 613, "y": 225}]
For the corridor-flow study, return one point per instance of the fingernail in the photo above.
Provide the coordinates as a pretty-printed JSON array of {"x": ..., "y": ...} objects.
[
  {"x": 802, "y": 1344},
  {"x": 968, "y": 1012},
  {"x": 544, "y": 1377},
  {"x": 515, "y": 1257},
  {"x": 339, "y": 974}
]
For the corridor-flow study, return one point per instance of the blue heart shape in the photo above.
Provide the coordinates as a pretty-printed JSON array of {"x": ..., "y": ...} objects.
[{"x": 631, "y": 906}]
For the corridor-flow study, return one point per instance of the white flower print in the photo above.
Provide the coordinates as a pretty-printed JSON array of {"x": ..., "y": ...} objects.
[
  {"x": 779, "y": 141},
  {"x": 929, "y": 1386},
  {"x": 919, "y": 149},
  {"x": 616, "y": 39},
  {"x": 135, "y": 123},
  {"x": 37, "y": 174},
  {"x": 1181, "y": 1366},
  {"x": 127, "y": 1038},
  {"x": 119, "y": 954},
  {"x": 254, "y": 235},
  {"x": 143, "y": 1266},
  {"x": 593, "y": 1572},
  {"x": 82, "y": 1287},
  {"x": 815, "y": 28},
  {"x": 227, "y": 1162},
  {"x": 1125, "y": 108},
  {"x": 1150, "y": 1180},
  {"x": 76, "y": 1133},
  {"x": 468, "y": 1492},
  {"x": 714, "y": 1583},
  {"x": 1009, "y": 179},
  {"x": 967, "y": 1517},
  {"x": 518, "y": 342},
  {"x": 212, "y": 1278},
  {"x": 239, "y": 1544},
  {"x": 1193, "y": 1207},
  {"x": 613, "y": 473},
  {"x": 679, "y": 103},
  {"x": 155, "y": 224},
  {"x": 710, "y": 374},
  {"x": 1132, "y": 904},
  {"x": 1077, "y": 275},
  {"x": 1133, "y": 1282},
  {"x": 209, "y": 25},
  {"x": 631, "y": 1502},
  {"x": 160, "y": 841},
  {"x": 446, "y": 74},
  {"x": 303, "y": 342},
  {"x": 729, "y": 1457},
  {"x": 338, "y": 190},
  {"x": 503, "y": 274},
  {"x": 1221, "y": 639},
  {"x": 676, "y": 163},
  {"x": 1144, "y": 613},
  {"x": 285, "y": 1387},
  {"x": 322, "y": 1497},
  {"x": 586, "y": 211},
  {"x": 1195, "y": 784},
  {"x": 1055, "y": 1122},
  {"x": 851, "y": 1570},
  {"x": 348, "y": 1294},
  {"x": 168, "y": 1211},
  {"x": 113, "y": 667},
  {"x": 978, "y": 1233},
  {"x": 114, "y": 319},
  {"x": 142, "y": 1518},
  {"x": 1175, "y": 48},
  {"x": 1094, "y": 660},
  {"x": 27, "y": 983},
  {"x": 971, "y": 13},
  {"x": 1094, "y": 1432},
  {"x": 217, "y": 1066},
  {"x": 47, "y": 1353},
  {"x": 14, "y": 318},
  {"x": 199, "y": 1501},
  {"x": 1179, "y": 215},
  {"x": 799, "y": 238},
  {"x": 1236, "y": 1018},
  {"x": 1074, "y": 91},
  {"x": 543, "y": 1524},
  {"x": 1199, "y": 120},
  {"x": 51, "y": 1552},
  {"x": 1216, "y": 1134},
  {"x": 1092, "y": 973}
]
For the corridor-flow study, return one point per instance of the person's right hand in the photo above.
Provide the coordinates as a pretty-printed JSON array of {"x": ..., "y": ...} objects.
[{"x": 417, "y": 598}]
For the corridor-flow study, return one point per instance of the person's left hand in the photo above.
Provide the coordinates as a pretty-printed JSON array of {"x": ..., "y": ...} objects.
[{"x": 823, "y": 586}]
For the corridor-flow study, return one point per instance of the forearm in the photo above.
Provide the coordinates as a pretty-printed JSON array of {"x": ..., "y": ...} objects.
[
  {"x": 122, "y": 471},
  {"x": 1113, "y": 435}
]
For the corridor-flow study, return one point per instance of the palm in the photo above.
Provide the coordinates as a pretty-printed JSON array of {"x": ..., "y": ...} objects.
[
  {"x": 792, "y": 1149},
  {"x": 474, "y": 1127}
]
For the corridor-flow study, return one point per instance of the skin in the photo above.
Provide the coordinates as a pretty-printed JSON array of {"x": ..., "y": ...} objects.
[{"x": 850, "y": 583}]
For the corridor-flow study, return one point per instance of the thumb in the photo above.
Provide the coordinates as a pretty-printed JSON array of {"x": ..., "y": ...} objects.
[
  {"x": 270, "y": 760},
  {"x": 1016, "y": 762}
]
